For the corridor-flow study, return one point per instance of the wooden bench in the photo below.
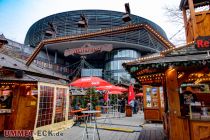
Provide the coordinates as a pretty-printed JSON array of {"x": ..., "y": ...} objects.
[
  {"x": 78, "y": 117},
  {"x": 83, "y": 116}
]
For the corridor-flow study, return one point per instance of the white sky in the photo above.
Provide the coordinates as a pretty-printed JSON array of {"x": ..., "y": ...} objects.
[{"x": 16, "y": 16}]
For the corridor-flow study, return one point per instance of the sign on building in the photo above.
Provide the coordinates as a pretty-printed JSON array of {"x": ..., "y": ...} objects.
[
  {"x": 88, "y": 49},
  {"x": 203, "y": 43}
]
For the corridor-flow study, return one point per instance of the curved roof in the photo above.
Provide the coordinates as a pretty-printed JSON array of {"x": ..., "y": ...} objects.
[{"x": 66, "y": 24}]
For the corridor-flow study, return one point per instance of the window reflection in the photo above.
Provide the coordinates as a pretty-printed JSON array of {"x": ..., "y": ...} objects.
[
  {"x": 45, "y": 106},
  {"x": 122, "y": 53},
  {"x": 60, "y": 104},
  {"x": 70, "y": 115},
  {"x": 114, "y": 67}
]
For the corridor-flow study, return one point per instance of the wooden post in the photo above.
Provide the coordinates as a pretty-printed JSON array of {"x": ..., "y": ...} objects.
[
  {"x": 177, "y": 130},
  {"x": 192, "y": 16},
  {"x": 16, "y": 95},
  {"x": 184, "y": 14}
]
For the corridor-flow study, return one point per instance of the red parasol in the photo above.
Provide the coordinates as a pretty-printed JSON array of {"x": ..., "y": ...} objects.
[
  {"x": 131, "y": 94},
  {"x": 111, "y": 88},
  {"x": 87, "y": 82},
  {"x": 139, "y": 94},
  {"x": 115, "y": 92}
]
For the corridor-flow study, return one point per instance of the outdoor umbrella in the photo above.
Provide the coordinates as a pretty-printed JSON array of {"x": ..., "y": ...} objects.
[
  {"x": 111, "y": 88},
  {"x": 115, "y": 92},
  {"x": 87, "y": 82},
  {"x": 139, "y": 94}
]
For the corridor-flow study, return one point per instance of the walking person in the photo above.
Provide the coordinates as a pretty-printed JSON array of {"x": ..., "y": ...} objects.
[{"x": 132, "y": 105}]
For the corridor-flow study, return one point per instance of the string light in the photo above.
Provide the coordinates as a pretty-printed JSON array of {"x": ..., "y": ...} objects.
[
  {"x": 115, "y": 30},
  {"x": 162, "y": 54}
]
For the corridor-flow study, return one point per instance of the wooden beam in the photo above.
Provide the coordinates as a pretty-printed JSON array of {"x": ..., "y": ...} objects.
[
  {"x": 172, "y": 91},
  {"x": 113, "y": 31},
  {"x": 192, "y": 16},
  {"x": 173, "y": 103},
  {"x": 184, "y": 14}
]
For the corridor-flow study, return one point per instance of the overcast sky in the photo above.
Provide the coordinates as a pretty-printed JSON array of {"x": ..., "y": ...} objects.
[{"x": 16, "y": 16}]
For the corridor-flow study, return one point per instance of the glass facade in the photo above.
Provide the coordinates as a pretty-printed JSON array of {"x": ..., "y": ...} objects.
[
  {"x": 66, "y": 24},
  {"x": 114, "y": 70},
  {"x": 91, "y": 72},
  {"x": 126, "y": 46}
]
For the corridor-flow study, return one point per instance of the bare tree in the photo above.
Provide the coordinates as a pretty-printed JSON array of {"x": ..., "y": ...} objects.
[{"x": 175, "y": 17}]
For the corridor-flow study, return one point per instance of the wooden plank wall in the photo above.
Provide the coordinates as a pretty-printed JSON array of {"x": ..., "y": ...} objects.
[
  {"x": 23, "y": 112},
  {"x": 202, "y": 25}
]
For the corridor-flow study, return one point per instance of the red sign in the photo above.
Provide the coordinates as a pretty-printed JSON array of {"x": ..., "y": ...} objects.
[
  {"x": 203, "y": 43},
  {"x": 131, "y": 94},
  {"x": 88, "y": 49},
  {"x": 18, "y": 133}
]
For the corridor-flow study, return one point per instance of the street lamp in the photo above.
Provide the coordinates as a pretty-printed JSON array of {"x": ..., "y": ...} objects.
[
  {"x": 126, "y": 17},
  {"x": 51, "y": 31},
  {"x": 82, "y": 23}
]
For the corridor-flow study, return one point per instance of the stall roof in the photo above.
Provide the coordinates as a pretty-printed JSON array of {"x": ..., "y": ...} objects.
[
  {"x": 187, "y": 56},
  {"x": 32, "y": 78},
  {"x": 179, "y": 58},
  {"x": 197, "y": 3},
  {"x": 180, "y": 55},
  {"x": 8, "y": 62}
]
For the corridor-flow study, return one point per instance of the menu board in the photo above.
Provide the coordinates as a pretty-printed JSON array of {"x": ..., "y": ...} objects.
[
  {"x": 154, "y": 93},
  {"x": 148, "y": 97},
  {"x": 161, "y": 97}
]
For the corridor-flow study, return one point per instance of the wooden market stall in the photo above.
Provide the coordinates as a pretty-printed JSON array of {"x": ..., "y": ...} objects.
[
  {"x": 184, "y": 74},
  {"x": 32, "y": 98},
  {"x": 183, "y": 67}
]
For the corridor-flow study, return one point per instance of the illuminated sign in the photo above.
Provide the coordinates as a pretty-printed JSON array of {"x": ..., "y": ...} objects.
[
  {"x": 203, "y": 43},
  {"x": 88, "y": 49}
]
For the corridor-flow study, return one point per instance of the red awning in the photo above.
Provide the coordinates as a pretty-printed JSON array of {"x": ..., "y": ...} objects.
[
  {"x": 115, "y": 92},
  {"x": 87, "y": 82},
  {"x": 111, "y": 88}
]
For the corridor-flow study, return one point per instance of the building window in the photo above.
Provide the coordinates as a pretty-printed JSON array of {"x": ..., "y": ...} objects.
[{"x": 114, "y": 67}]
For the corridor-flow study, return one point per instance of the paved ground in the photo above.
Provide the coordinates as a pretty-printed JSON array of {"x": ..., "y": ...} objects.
[
  {"x": 124, "y": 124},
  {"x": 126, "y": 128}
]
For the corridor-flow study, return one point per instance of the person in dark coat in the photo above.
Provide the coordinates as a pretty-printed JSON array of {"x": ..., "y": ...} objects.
[{"x": 123, "y": 101}]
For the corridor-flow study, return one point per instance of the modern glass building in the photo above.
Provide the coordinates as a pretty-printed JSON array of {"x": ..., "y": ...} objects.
[{"x": 126, "y": 46}]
